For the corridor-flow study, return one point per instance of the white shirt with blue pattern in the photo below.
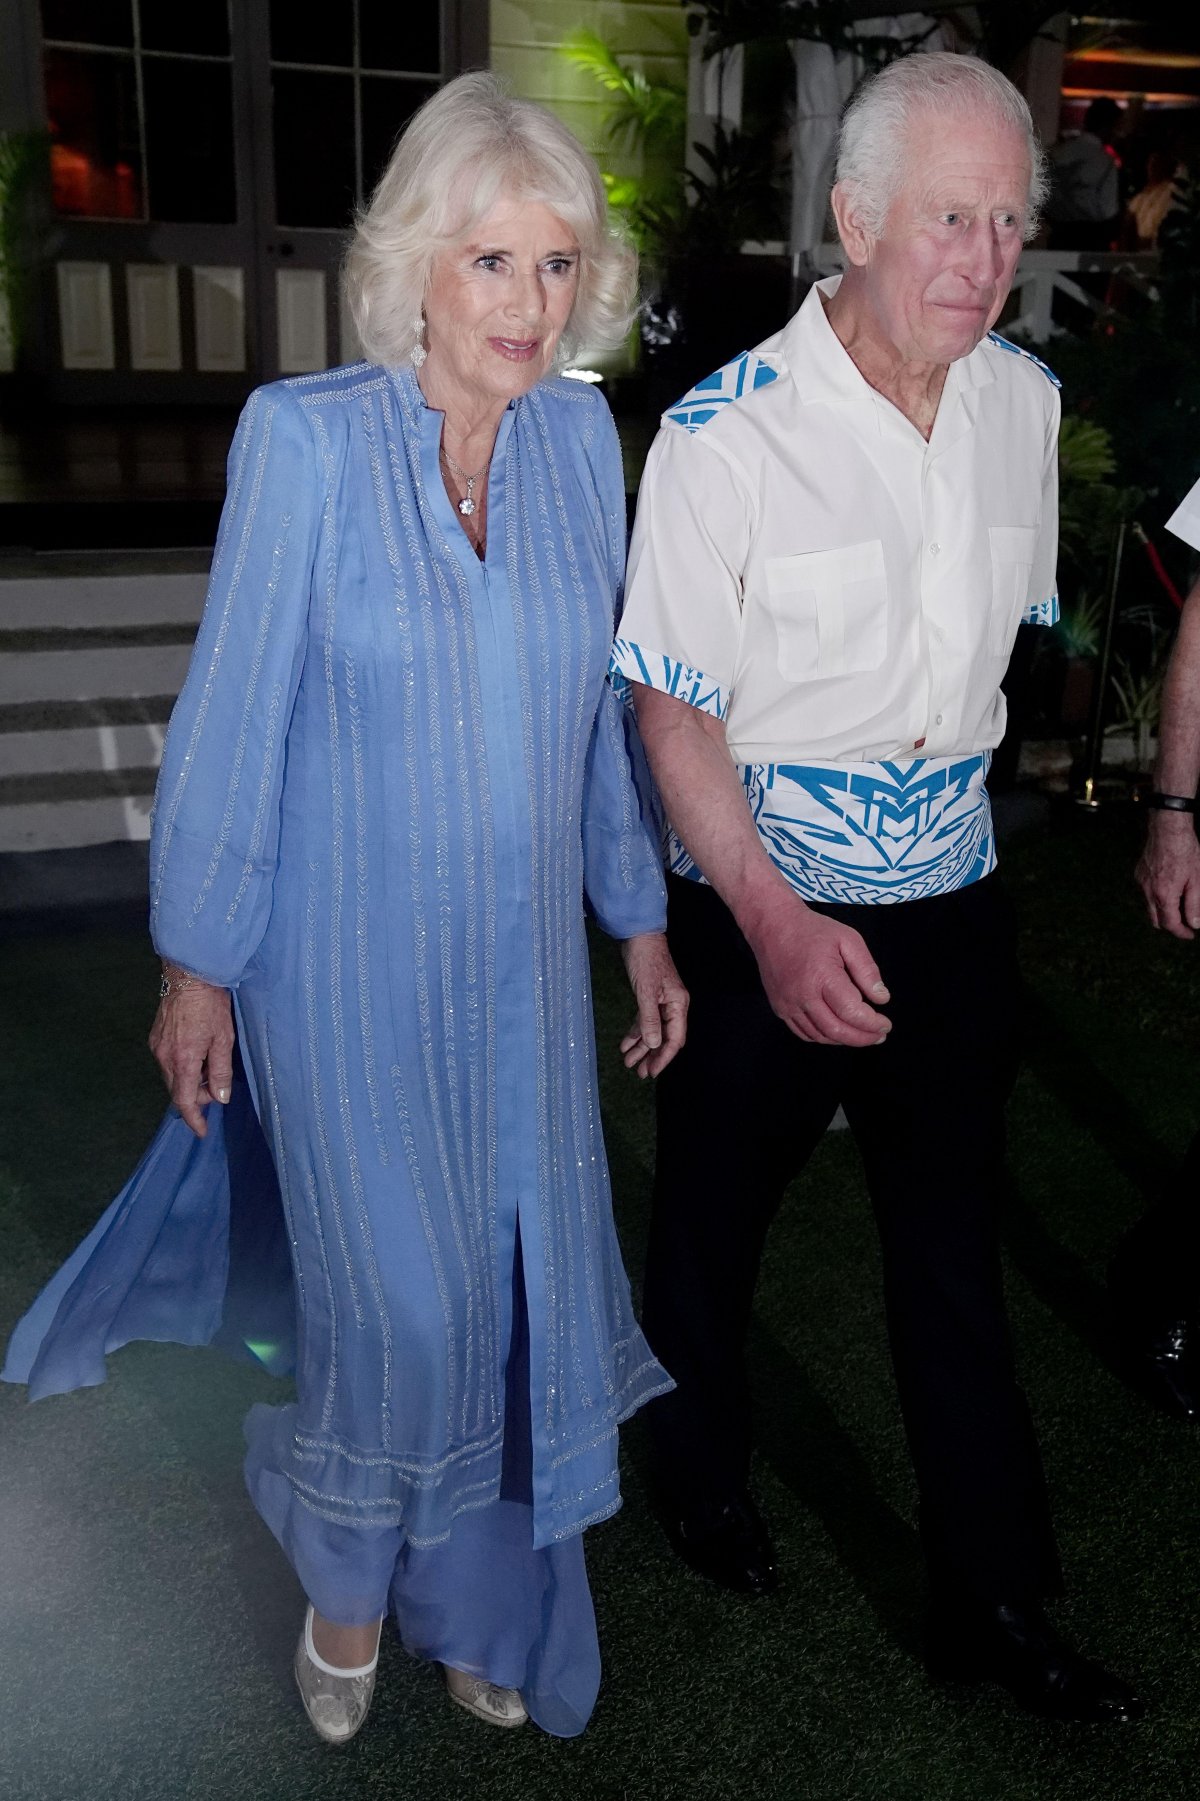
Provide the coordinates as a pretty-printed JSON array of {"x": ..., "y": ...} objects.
[{"x": 845, "y": 596}]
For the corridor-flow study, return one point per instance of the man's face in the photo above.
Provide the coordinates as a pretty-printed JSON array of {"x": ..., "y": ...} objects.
[{"x": 938, "y": 277}]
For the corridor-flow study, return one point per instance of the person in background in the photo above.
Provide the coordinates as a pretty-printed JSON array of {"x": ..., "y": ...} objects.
[
  {"x": 1146, "y": 210},
  {"x": 1154, "y": 1276},
  {"x": 837, "y": 537},
  {"x": 394, "y": 774},
  {"x": 1083, "y": 206}
]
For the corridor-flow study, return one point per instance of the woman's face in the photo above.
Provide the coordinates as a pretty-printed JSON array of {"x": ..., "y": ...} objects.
[{"x": 498, "y": 301}]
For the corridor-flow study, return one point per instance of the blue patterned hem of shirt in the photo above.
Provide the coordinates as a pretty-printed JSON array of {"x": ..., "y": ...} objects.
[{"x": 847, "y": 833}]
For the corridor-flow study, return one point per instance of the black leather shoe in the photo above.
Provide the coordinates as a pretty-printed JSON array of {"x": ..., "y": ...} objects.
[
  {"x": 729, "y": 1544},
  {"x": 1019, "y": 1649},
  {"x": 1163, "y": 1363}
]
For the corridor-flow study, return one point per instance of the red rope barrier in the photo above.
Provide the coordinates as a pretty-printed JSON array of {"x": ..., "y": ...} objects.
[{"x": 1156, "y": 563}]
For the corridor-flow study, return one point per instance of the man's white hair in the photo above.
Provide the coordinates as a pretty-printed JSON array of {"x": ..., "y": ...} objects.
[
  {"x": 873, "y": 153},
  {"x": 469, "y": 147}
]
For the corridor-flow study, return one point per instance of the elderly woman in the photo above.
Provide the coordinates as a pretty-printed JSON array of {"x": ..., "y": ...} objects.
[{"x": 393, "y": 774}]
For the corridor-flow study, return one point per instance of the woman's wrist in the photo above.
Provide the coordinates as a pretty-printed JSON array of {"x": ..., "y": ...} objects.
[{"x": 176, "y": 979}]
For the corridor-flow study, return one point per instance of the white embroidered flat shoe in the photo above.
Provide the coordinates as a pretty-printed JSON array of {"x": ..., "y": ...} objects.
[
  {"x": 498, "y": 1706},
  {"x": 336, "y": 1702}
]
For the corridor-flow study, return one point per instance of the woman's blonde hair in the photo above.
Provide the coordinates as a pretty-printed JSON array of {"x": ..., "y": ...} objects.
[{"x": 469, "y": 146}]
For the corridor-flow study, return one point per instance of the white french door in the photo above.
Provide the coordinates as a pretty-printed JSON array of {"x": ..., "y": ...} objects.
[{"x": 206, "y": 162}]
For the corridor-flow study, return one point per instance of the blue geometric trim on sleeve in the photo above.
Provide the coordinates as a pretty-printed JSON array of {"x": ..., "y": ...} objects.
[
  {"x": 630, "y": 663},
  {"x": 1019, "y": 350},
  {"x": 741, "y": 376},
  {"x": 1041, "y": 612}
]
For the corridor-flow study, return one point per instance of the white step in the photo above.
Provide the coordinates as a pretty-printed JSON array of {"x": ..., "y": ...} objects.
[
  {"x": 122, "y": 672},
  {"x": 64, "y": 824},
  {"x": 98, "y": 600},
  {"x": 81, "y": 748}
]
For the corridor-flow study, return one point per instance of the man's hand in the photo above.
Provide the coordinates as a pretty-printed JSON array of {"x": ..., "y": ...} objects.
[
  {"x": 192, "y": 1042},
  {"x": 819, "y": 976},
  {"x": 662, "y": 1004},
  {"x": 1168, "y": 874}
]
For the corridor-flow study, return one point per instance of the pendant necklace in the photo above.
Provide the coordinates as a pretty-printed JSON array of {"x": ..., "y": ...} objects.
[{"x": 466, "y": 505}]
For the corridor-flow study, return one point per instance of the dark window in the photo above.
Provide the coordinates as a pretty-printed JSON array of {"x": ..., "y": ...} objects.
[
  {"x": 314, "y": 148},
  {"x": 201, "y": 26},
  {"x": 89, "y": 21},
  {"x": 317, "y": 34},
  {"x": 387, "y": 105},
  {"x": 189, "y": 140},
  {"x": 95, "y": 158},
  {"x": 391, "y": 36}
]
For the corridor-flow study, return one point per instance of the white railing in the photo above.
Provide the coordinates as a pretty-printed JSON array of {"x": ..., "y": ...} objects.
[{"x": 1040, "y": 275}]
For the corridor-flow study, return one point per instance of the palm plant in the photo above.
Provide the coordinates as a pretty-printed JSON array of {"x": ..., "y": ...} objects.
[{"x": 645, "y": 120}]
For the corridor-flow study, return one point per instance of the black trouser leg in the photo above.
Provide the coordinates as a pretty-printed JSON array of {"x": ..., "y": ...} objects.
[
  {"x": 739, "y": 1113},
  {"x": 927, "y": 1109}
]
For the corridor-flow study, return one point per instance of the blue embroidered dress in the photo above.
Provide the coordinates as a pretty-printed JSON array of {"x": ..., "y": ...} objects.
[{"x": 391, "y": 777}]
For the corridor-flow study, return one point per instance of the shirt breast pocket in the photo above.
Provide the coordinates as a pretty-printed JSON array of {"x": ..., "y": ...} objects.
[
  {"x": 830, "y": 610},
  {"x": 1013, "y": 550}
]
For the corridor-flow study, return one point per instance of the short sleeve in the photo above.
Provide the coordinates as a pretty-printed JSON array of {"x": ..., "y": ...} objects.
[
  {"x": 681, "y": 624},
  {"x": 1185, "y": 520},
  {"x": 216, "y": 810},
  {"x": 1042, "y": 606}
]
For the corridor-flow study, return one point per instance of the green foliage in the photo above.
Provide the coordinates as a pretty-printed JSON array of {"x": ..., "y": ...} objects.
[
  {"x": 1085, "y": 452},
  {"x": 670, "y": 212},
  {"x": 735, "y": 199},
  {"x": 1079, "y": 625},
  {"x": 1139, "y": 379},
  {"x": 1137, "y": 688},
  {"x": 645, "y": 116},
  {"x": 23, "y": 156},
  {"x": 1090, "y": 506},
  {"x": 644, "y": 119}
]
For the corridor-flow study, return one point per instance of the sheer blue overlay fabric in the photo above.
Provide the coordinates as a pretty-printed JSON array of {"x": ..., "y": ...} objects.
[{"x": 392, "y": 777}]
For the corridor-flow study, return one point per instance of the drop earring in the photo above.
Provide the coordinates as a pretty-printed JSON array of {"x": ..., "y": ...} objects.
[{"x": 418, "y": 353}]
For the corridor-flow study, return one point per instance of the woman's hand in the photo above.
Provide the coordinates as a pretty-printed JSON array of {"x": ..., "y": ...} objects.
[
  {"x": 662, "y": 1004},
  {"x": 192, "y": 1043}
]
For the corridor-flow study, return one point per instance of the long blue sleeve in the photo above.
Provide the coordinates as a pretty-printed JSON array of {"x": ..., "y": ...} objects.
[
  {"x": 216, "y": 813},
  {"x": 622, "y": 842}
]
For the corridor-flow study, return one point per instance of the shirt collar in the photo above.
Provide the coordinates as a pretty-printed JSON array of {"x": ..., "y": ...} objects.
[
  {"x": 823, "y": 370},
  {"x": 416, "y": 407}
]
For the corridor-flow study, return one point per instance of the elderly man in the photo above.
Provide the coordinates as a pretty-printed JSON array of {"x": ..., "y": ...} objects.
[{"x": 837, "y": 537}]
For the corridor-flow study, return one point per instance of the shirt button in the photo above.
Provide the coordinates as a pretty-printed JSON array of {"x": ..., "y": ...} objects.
[
  {"x": 938, "y": 720},
  {"x": 935, "y": 550}
]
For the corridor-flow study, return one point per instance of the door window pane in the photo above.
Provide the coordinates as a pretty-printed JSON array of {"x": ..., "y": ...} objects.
[
  {"x": 314, "y": 148},
  {"x": 95, "y": 158},
  {"x": 315, "y": 34},
  {"x": 400, "y": 37},
  {"x": 189, "y": 140},
  {"x": 201, "y": 26},
  {"x": 387, "y": 105},
  {"x": 89, "y": 21}
]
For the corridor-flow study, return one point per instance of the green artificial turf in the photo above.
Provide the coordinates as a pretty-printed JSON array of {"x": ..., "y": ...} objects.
[{"x": 147, "y": 1620}]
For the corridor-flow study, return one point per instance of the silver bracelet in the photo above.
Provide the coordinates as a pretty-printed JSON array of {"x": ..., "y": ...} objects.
[{"x": 175, "y": 980}]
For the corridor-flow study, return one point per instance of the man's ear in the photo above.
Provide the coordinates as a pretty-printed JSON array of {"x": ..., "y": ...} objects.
[{"x": 857, "y": 241}]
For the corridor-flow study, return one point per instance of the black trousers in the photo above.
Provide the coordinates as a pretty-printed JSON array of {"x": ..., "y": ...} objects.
[{"x": 739, "y": 1112}]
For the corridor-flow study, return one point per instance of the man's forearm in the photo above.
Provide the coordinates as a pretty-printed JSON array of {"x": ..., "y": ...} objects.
[
  {"x": 818, "y": 975},
  {"x": 706, "y": 804},
  {"x": 1177, "y": 770}
]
